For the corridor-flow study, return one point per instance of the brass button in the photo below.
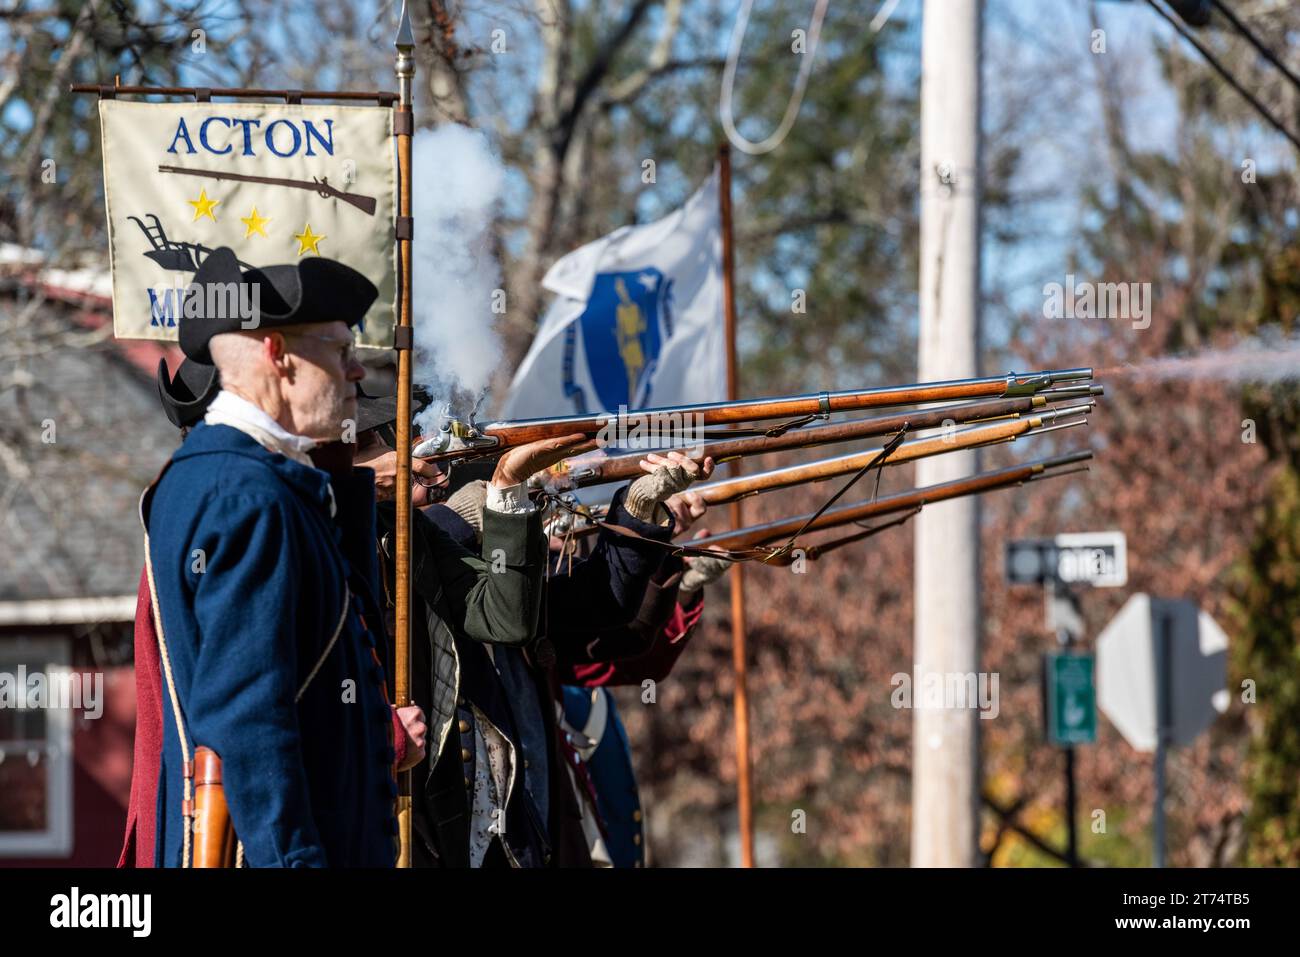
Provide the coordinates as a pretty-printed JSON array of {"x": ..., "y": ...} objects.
[
  {"x": 526, "y": 764},
  {"x": 464, "y": 726},
  {"x": 639, "y": 864},
  {"x": 636, "y": 815},
  {"x": 465, "y": 754},
  {"x": 467, "y": 783},
  {"x": 636, "y": 839}
]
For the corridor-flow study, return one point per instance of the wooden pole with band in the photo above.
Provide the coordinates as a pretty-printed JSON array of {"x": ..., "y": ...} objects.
[
  {"x": 403, "y": 129},
  {"x": 744, "y": 775}
]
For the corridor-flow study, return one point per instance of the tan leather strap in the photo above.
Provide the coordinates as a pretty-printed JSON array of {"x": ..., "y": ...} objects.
[
  {"x": 338, "y": 630},
  {"x": 187, "y": 764}
]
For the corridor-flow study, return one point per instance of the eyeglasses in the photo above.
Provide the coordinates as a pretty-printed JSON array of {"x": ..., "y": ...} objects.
[{"x": 347, "y": 350}]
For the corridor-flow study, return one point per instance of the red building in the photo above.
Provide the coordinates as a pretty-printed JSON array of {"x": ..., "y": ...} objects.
[{"x": 81, "y": 434}]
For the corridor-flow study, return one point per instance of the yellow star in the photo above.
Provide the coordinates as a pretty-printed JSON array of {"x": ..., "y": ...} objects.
[
  {"x": 307, "y": 240},
  {"x": 203, "y": 206},
  {"x": 254, "y": 223}
]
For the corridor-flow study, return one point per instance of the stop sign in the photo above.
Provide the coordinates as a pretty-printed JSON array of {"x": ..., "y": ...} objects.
[{"x": 1128, "y": 653}]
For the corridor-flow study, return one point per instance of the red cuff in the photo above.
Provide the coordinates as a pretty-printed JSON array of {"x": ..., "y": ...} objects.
[
  {"x": 399, "y": 740},
  {"x": 685, "y": 618}
]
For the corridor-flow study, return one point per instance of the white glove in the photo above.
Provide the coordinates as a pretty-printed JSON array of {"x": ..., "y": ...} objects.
[
  {"x": 645, "y": 496},
  {"x": 701, "y": 570}
]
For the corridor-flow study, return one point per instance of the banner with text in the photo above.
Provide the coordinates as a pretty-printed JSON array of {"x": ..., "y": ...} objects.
[{"x": 274, "y": 182}]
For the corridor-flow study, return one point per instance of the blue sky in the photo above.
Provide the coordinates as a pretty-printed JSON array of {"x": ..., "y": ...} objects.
[{"x": 1040, "y": 46}]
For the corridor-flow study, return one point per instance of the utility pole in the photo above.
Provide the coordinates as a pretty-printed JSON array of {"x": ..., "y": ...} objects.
[{"x": 945, "y": 741}]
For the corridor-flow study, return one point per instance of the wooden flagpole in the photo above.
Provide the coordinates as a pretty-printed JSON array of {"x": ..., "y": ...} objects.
[
  {"x": 744, "y": 775},
  {"x": 403, "y": 128}
]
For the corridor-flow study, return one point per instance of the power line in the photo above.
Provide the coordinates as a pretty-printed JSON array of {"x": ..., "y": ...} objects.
[
  {"x": 1219, "y": 68},
  {"x": 1264, "y": 51}
]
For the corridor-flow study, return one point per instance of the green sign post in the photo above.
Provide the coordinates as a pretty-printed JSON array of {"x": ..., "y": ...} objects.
[{"x": 1070, "y": 708}]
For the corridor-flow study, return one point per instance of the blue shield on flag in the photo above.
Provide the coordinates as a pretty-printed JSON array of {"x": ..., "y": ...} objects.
[
  {"x": 622, "y": 336},
  {"x": 636, "y": 320}
]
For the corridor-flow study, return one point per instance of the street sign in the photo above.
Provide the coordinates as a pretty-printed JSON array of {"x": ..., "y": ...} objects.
[
  {"x": 1099, "y": 559},
  {"x": 1129, "y": 653},
  {"x": 1161, "y": 669},
  {"x": 1069, "y": 704}
]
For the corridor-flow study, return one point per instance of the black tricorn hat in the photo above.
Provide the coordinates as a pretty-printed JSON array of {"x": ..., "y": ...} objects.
[
  {"x": 186, "y": 397},
  {"x": 293, "y": 294}
]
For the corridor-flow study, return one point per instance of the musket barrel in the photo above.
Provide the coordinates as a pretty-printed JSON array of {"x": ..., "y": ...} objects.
[
  {"x": 839, "y": 515},
  {"x": 728, "y": 490},
  {"x": 727, "y": 413},
  {"x": 1069, "y": 458},
  {"x": 594, "y": 469}
]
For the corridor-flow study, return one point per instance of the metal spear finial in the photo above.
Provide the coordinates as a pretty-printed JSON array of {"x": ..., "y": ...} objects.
[
  {"x": 405, "y": 66},
  {"x": 405, "y": 41}
]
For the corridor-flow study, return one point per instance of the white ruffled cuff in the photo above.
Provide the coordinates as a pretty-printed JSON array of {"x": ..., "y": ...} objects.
[{"x": 511, "y": 500}]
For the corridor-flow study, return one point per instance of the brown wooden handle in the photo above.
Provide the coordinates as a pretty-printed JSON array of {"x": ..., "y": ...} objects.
[{"x": 214, "y": 835}]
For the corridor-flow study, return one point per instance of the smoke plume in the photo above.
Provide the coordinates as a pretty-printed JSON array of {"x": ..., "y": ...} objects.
[
  {"x": 457, "y": 183},
  {"x": 1264, "y": 359}
]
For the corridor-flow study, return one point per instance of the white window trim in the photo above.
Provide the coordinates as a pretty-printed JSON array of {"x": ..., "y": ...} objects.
[{"x": 54, "y": 656}]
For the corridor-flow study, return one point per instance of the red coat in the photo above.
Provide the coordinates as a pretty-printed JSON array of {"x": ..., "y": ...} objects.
[
  {"x": 137, "y": 845},
  {"x": 654, "y": 664}
]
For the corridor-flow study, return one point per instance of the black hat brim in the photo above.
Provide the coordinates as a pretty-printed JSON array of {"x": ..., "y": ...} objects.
[
  {"x": 186, "y": 397},
  {"x": 375, "y": 410}
]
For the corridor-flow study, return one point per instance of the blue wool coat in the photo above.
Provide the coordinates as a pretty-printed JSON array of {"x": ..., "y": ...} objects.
[
  {"x": 251, "y": 573},
  {"x": 610, "y": 767}
]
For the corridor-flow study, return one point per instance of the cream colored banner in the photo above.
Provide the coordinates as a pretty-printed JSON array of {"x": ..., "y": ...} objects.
[{"x": 273, "y": 182}]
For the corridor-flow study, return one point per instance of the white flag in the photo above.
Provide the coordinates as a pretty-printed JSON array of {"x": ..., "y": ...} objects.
[
  {"x": 274, "y": 182},
  {"x": 637, "y": 322}
]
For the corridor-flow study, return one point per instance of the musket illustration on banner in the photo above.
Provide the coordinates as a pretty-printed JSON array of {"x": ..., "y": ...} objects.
[
  {"x": 909, "y": 502},
  {"x": 458, "y": 440},
  {"x": 320, "y": 186},
  {"x": 597, "y": 467}
]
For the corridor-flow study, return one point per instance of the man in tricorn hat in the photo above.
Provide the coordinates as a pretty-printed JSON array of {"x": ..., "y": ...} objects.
[
  {"x": 185, "y": 398},
  {"x": 260, "y": 552}
]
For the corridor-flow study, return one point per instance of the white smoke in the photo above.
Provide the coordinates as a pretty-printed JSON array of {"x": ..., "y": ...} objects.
[
  {"x": 1264, "y": 358},
  {"x": 456, "y": 184}
]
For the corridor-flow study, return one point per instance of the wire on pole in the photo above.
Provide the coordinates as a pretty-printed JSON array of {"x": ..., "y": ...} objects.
[
  {"x": 1219, "y": 68},
  {"x": 1264, "y": 50}
]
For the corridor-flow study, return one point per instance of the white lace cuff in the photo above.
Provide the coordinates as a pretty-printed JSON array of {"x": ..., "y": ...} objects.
[{"x": 511, "y": 500}]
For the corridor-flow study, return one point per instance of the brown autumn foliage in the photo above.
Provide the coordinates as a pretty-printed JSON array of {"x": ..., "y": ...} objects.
[{"x": 1172, "y": 472}]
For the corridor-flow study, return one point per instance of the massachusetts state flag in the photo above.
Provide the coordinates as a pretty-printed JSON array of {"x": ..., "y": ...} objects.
[{"x": 637, "y": 321}]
